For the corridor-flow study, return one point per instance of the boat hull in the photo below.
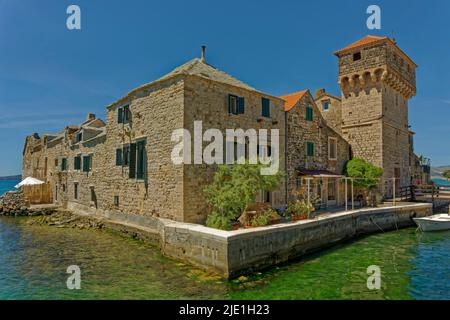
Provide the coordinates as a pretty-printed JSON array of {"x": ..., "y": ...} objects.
[{"x": 437, "y": 222}]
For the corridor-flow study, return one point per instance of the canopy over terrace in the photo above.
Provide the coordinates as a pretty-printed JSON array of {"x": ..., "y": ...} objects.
[{"x": 323, "y": 186}]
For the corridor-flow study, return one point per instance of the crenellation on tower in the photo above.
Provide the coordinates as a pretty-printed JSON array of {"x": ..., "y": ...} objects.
[{"x": 377, "y": 79}]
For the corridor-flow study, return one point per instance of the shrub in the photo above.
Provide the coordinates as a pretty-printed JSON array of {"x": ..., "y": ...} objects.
[
  {"x": 446, "y": 174},
  {"x": 300, "y": 208},
  {"x": 365, "y": 176},
  {"x": 218, "y": 221},
  {"x": 234, "y": 187},
  {"x": 263, "y": 218}
]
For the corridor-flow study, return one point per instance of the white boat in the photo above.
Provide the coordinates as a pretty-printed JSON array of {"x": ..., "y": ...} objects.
[{"x": 436, "y": 222}]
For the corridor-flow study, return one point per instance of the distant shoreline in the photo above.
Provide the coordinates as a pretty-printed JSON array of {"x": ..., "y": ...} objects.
[{"x": 11, "y": 178}]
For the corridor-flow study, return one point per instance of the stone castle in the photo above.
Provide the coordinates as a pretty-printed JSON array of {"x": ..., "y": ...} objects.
[{"x": 123, "y": 164}]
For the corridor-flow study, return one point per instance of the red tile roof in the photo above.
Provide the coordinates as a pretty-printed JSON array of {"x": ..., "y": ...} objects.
[
  {"x": 292, "y": 99},
  {"x": 362, "y": 42}
]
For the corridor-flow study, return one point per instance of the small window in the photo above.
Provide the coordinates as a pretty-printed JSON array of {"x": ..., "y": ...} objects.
[
  {"x": 77, "y": 163},
  {"x": 126, "y": 155},
  {"x": 233, "y": 104},
  {"x": 116, "y": 201},
  {"x": 119, "y": 158},
  {"x": 63, "y": 164},
  {"x": 87, "y": 163},
  {"x": 332, "y": 148},
  {"x": 75, "y": 190},
  {"x": 265, "y": 107},
  {"x": 310, "y": 149},
  {"x": 56, "y": 162},
  {"x": 141, "y": 159},
  {"x": 326, "y": 104},
  {"x": 64, "y": 188},
  {"x": 126, "y": 114},
  {"x": 79, "y": 137},
  {"x": 309, "y": 113},
  {"x": 357, "y": 56},
  {"x": 119, "y": 115}
]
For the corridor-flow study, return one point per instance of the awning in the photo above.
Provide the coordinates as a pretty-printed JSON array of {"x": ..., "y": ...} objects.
[
  {"x": 29, "y": 182},
  {"x": 318, "y": 173}
]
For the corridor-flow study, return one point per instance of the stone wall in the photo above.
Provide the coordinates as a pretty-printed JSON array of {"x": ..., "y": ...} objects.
[
  {"x": 375, "y": 93},
  {"x": 301, "y": 131},
  {"x": 207, "y": 101}
]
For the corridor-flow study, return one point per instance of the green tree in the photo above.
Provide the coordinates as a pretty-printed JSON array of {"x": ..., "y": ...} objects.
[
  {"x": 366, "y": 176},
  {"x": 235, "y": 187},
  {"x": 446, "y": 174}
]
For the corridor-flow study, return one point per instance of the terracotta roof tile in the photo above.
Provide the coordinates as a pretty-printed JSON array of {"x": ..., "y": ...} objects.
[
  {"x": 362, "y": 42},
  {"x": 292, "y": 99}
]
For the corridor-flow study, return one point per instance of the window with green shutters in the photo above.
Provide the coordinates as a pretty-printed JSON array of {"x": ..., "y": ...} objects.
[
  {"x": 309, "y": 114},
  {"x": 119, "y": 159},
  {"x": 310, "y": 149},
  {"x": 141, "y": 162},
  {"x": 87, "y": 163},
  {"x": 126, "y": 155},
  {"x": 77, "y": 163},
  {"x": 265, "y": 107},
  {"x": 119, "y": 115},
  {"x": 132, "y": 171},
  {"x": 126, "y": 114},
  {"x": 63, "y": 164}
]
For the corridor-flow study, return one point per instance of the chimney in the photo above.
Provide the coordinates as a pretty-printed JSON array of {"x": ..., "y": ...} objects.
[
  {"x": 90, "y": 116},
  {"x": 319, "y": 92},
  {"x": 203, "y": 53}
]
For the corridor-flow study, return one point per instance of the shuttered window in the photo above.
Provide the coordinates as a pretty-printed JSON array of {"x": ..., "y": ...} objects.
[
  {"x": 265, "y": 107},
  {"x": 132, "y": 171},
  {"x": 119, "y": 159},
  {"x": 141, "y": 160},
  {"x": 233, "y": 104},
  {"x": 126, "y": 114},
  {"x": 87, "y": 163},
  {"x": 241, "y": 105},
  {"x": 77, "y": 163},
  {"x": 63, "y": 164},
  {"x": 126, "y": 155},
  {"x": 309, "y": 114},
  {"x": 120, "y": 115},
  {"x": 310, "y": 149}
]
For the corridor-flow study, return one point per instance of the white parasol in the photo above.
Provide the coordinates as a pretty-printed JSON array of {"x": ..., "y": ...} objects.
[{"x": 29, "y": 182}]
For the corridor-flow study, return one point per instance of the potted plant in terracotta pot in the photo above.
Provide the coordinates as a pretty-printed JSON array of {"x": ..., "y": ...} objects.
[{"x": 300, "y": 210}]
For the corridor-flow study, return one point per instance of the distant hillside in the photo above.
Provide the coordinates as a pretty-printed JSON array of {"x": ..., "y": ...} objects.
[
  {"x": 18, "y": 177},
  {"x": 436, "y": 172}
]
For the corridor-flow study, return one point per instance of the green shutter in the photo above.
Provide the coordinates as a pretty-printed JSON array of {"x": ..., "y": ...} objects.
[
  {"x": 310, "y": 149},
  {"x": 118, "y": 157},
  {"x": 132, "y": 171},
  {"x": 309, "y": 114},
  {"x": 141, "y": 160},
  {"x": 120, "y": 115},
  {"x": 86, "y": 163},
  {"x": 265, "y": 107},
  {"x": 77, "y": 163},
  {"x": 241, "y": 105}
]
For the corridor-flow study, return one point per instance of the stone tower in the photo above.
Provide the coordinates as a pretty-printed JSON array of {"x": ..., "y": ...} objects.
[{"x": 377, "y": 79}]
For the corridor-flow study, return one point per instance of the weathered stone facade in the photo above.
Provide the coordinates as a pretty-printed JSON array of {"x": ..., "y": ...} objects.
[
  {"x": 129, "y": 156},
  {"x": 377, "y": 79}
]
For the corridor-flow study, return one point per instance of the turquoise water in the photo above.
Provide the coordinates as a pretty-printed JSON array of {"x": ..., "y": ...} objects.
[
  {"x": 34, "y": 260},
  {"x": 7, "y": 186},
  {"x": 441, "y": 182}
]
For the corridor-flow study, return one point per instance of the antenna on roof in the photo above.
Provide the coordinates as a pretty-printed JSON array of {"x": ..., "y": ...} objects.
[{"x": 203, "y": 53}]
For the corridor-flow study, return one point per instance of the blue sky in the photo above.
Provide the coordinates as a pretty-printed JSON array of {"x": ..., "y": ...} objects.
[{"x": 51, "y": 76}]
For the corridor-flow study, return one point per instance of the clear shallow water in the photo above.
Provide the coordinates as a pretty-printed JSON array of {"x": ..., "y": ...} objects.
[{"x": 34, "y": 259}]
